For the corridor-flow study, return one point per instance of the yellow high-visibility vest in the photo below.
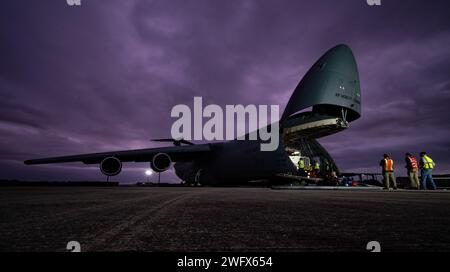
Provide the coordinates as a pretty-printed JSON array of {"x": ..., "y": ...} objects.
[
  {"x": 428, "y": 164},
  {"x": 301, "y": 164},
  {"x": 316, "y": 166}
]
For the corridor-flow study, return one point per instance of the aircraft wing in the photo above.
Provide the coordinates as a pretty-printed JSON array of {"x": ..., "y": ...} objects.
[{"x": 176, "y": 153}]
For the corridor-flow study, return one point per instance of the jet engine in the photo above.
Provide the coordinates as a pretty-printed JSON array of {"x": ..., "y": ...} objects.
[
  {"x": 111, "y": 166},
  {"x": 160, "y": 162}
]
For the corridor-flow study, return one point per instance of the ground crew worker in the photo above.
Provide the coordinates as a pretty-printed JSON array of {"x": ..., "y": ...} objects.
[
  {"x": 426, "y": 173},
  {"x": 413, "y": 170},
  {"x": 301, "y": 167},
  {"x": 317, "y": 168},
  {"x": 332, "y": 179},
  {"x": 387, "y": 165}
]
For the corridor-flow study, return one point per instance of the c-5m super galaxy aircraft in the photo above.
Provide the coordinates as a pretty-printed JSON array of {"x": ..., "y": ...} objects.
[{"x": 323, "y": 103}]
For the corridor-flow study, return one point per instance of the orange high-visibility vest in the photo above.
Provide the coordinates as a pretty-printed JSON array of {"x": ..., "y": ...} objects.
[{"x": 388, "y": 165}]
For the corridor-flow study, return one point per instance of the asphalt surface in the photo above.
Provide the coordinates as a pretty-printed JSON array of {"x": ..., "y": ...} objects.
[{"x": 221, "y": 219}]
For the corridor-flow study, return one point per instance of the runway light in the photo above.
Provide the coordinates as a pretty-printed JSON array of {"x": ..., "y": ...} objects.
[{"x": 148, "y": 172}]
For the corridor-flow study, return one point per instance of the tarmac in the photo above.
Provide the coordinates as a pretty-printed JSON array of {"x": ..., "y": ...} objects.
[{"x": 46, "y": 218}]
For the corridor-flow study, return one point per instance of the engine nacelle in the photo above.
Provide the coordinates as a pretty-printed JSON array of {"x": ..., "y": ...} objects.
[
  {"x": 160, "y": 162},
  {"x": 111, "y": 166}
]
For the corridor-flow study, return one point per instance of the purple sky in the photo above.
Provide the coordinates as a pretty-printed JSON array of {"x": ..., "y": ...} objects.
[{"x": 104, "y": 76}]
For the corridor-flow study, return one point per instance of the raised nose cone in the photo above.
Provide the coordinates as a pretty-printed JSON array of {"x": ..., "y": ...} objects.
[
  {"x": 338, "y": 59},
  {"x": 331, "y": 86}
]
